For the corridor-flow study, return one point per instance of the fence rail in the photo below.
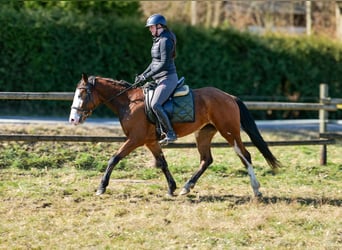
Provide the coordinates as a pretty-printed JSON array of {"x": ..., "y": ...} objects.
[
  {"x": 51, "y": 96},
  {"x": 326, "y": 104},
  {"x": 75, "y": 138}
]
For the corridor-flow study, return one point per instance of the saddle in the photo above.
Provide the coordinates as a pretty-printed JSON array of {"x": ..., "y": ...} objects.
[{"x": 179, "y": 107}]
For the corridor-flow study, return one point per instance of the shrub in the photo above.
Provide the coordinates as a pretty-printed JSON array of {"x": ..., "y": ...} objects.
[{"x": 48, "y": 50}]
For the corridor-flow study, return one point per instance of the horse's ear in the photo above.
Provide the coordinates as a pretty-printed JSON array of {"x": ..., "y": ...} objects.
[{"x": 84, "y": 77}]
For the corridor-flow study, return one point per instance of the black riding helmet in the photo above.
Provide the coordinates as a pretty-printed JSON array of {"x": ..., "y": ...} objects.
[{"x": 155, "y": 19}]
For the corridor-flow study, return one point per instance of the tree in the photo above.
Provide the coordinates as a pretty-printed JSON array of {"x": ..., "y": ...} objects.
[{"x": 119, "y": 8}]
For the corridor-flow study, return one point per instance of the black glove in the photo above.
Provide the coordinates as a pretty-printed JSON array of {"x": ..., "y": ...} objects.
[{"x": 139, "y": 79}]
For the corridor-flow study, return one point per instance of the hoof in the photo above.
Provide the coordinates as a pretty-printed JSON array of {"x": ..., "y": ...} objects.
[
  {"x": 184, "y": 191},
  {"x": 258, "y": 195},
  {"x": 171, "y": 192},
  {"x": 169, "y": 195},
  {"x": 100, "y": 191}
]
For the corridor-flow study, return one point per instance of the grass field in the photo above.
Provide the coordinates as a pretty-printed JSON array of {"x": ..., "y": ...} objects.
[{"x": 47, "y": 197}]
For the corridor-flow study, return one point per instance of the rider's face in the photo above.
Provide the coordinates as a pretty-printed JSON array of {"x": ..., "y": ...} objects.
[{"x": 153, "y": 29}]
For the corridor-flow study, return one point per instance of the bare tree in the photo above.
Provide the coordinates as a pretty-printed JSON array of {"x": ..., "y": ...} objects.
[
  {"x": 308, "y": 18},
  {"x": 338, "y": 10},
  {"x": 217, "y": 14},
  {"x": 287, "y": 16},
  {"x": 193, "y": 12}
]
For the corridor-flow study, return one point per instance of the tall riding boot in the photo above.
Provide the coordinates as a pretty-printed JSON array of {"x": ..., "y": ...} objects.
[{"x": 165, "y": 122}]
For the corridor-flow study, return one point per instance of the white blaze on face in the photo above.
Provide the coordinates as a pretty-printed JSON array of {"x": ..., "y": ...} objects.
[{"x": 74, "y": 117}]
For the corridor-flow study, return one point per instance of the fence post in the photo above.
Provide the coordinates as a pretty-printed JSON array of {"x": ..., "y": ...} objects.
[{"x": 323, "y": 117}]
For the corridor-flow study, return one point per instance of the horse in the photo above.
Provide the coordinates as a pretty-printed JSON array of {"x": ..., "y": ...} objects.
[{"x": 215, "y": 111}]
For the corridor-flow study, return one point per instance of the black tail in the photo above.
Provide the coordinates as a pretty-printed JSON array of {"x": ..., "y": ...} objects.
[{"x": 249, "y": 126}]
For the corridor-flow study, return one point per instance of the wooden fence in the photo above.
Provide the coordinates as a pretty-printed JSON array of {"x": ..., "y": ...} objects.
[{"x": 326, "y": 104}]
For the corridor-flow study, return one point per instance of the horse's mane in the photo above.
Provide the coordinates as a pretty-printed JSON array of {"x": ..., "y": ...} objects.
[
  {"x": 124, "y": 83},
  {"x": 117, "y": 82}
]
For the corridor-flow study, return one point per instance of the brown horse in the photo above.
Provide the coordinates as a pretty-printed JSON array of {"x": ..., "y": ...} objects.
[{"x": 215, "y": 111}]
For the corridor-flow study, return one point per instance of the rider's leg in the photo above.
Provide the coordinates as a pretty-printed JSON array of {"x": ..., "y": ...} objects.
[
  {"x": 164, "y": 89},
  {"x": 165, "y": 122}
]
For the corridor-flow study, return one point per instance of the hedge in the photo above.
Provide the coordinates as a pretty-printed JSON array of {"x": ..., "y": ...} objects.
[{"x": 48, "y": 51}]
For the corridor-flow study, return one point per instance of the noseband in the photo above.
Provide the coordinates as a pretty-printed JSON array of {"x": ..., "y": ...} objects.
[{"x": 89, "y": 98}]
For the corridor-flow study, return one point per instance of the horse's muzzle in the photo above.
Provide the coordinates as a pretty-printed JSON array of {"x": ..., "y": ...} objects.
[
  {"x": 73, "y": 121},
  {"x": 75, "y": 118}
]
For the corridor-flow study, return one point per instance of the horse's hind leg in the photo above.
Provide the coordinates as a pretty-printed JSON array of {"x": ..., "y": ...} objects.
[
  {"x": 234, "y": 139},
  {"x": 245, "y": 157},
  {"x": 203, "y": 140}
]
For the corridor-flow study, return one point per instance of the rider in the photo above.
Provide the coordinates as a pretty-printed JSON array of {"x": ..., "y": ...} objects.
[{"x": 163, "y": 70}]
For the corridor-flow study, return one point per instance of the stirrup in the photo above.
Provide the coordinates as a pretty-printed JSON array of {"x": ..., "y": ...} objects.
[{"x": 167, "y": 139}]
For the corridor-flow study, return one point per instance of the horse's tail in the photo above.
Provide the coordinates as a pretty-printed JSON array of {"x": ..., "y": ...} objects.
[{"x": 249, "y": 126}]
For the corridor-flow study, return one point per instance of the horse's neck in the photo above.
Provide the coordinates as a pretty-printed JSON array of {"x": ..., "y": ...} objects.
[{"x": 112, "y": 95}]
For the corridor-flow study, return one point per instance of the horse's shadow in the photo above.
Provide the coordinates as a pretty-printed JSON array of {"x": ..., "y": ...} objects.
[{"x": 241, "y": 200}]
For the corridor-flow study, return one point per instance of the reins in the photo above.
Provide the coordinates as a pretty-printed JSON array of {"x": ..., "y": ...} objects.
[
  {"x": 91, "y": 83},
  {"x": 131, "y": 86},
  {"x": 128, "y": 88}
]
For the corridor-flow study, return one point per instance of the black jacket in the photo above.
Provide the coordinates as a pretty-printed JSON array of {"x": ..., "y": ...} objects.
[{"x": 163, "y": 53}]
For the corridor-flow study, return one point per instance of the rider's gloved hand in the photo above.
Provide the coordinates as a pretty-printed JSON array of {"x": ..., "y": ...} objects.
[{"x": 140, "y": 79}]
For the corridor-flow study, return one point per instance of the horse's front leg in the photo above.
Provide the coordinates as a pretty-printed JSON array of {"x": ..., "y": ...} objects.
[
  {"x": 160, "y": 162},
  {"x": 124, "y": 150},
  {"x": 105, "y": 179}
]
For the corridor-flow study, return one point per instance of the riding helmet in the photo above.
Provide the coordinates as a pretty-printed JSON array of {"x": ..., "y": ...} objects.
[{"x": 155, "y": 19}]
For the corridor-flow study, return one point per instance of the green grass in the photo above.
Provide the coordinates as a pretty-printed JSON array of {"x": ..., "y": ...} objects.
[{"x": 47, "y": 197}]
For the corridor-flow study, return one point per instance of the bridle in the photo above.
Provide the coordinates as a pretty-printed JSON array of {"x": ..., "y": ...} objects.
[
  {"x": 91, "y": 82},
  {"x": 89, "y": 98}
]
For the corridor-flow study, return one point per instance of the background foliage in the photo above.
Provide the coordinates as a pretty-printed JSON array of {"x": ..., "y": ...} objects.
[{"x": 47, "y": 49}]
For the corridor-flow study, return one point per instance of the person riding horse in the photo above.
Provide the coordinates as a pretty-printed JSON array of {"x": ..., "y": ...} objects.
[{"x": 162, "y": 70}]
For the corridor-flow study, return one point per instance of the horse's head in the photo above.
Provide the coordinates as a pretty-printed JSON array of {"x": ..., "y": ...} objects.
[{"x": 84, "y": 100}]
